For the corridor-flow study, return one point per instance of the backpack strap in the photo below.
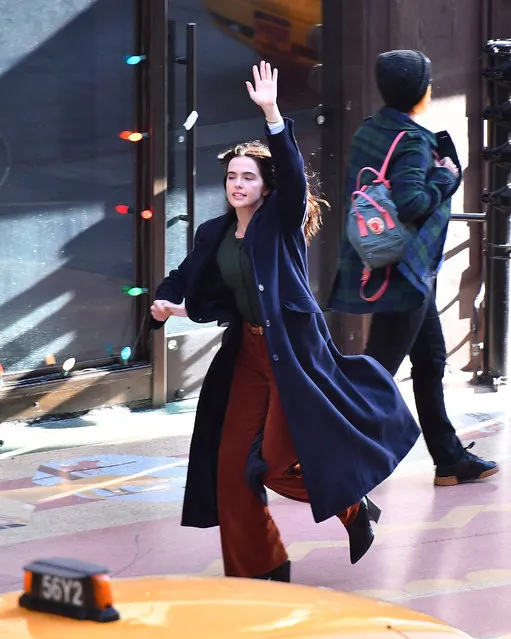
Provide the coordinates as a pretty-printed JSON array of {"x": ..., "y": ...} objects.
[
  {"x": 359, "y": 176},
  {"x": 366, "y": 274},
  {"x": 385, "y": 165}
]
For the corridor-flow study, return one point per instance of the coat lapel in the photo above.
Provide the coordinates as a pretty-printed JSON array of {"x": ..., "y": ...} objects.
[{"x": 216, "y": 230}]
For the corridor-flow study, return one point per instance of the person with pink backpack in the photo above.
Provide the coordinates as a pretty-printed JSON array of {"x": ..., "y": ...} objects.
[{"x": 400, "y": 180}]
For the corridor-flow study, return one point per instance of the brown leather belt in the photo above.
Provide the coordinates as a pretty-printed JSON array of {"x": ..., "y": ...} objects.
[{"x": 255, "y": 330}]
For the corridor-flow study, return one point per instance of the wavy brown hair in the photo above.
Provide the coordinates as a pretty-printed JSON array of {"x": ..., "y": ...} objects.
[{"x": 262, "y": 156}]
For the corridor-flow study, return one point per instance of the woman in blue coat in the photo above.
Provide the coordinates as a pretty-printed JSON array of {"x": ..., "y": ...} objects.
[{"x": 280, "y": 407}]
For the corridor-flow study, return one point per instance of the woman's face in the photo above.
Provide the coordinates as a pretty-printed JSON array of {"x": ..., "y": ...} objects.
[{"x": 244, "y": 184}]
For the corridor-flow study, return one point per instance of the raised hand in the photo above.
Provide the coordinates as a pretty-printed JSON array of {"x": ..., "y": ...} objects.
[
  {"x": 265, "y": 83},
  {"x": 264, "y": 90}
]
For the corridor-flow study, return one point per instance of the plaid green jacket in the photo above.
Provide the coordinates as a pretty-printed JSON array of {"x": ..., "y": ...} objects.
[{"x": 422, "y": 194}]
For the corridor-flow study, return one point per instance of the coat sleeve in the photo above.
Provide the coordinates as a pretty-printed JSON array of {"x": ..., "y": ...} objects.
[
  {"x": 173, "y": 287},
  {"x": 418, "y": 187},
  {"x": 291, "y": 183}
]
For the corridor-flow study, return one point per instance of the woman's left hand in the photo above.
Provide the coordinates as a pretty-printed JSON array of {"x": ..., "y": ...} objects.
[{"x": 264, "y": 90}]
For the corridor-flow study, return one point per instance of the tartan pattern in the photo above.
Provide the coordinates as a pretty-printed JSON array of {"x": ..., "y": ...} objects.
[{"x": 422, "y": 193}]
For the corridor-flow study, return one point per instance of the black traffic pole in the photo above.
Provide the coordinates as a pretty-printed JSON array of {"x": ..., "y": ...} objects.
[
  {"x": 190, "y": 60},
  {"x": 496, "y": 355}
]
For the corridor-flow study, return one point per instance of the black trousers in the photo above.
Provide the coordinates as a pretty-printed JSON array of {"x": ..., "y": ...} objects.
[{"x": 418, "y": 333}]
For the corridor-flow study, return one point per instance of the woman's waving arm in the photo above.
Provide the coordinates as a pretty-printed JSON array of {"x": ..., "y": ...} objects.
[
  {"x": 291, "y": 182},
  {"x": 264, "y": 91}
]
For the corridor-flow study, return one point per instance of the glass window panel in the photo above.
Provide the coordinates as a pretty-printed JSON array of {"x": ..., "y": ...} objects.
[{"x": 65, "y": 253}]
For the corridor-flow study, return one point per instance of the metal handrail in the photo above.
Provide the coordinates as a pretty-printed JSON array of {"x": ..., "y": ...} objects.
[{"x": 468, "y": 217}]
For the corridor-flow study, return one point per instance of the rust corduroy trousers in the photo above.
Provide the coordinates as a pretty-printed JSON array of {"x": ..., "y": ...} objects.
[{"x": 251, "y": 543}]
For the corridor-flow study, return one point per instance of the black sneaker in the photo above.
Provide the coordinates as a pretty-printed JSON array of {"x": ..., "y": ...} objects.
[{"x": 468, "y": 468}]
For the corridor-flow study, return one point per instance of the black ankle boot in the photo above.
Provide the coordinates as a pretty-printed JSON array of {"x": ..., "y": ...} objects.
[
  {"x": 281, "y": 573},
  {"x": 360, "y": 532}
]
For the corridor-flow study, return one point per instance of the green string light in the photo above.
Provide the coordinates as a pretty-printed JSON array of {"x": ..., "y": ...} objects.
[{"x": 134, "y": 291}]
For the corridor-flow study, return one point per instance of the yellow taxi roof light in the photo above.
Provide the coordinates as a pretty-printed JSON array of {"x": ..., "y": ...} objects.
[{"x": 69, "y": 588}]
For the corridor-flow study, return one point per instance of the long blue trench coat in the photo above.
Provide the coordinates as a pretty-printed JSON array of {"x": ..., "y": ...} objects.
[{"x": 348, "y": 421}]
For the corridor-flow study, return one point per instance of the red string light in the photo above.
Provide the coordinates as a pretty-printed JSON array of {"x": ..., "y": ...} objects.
[
  {"x": 132, "y": 136},
  {"x": 122, "y": 209},
  {"x": 146, "y": 214}
]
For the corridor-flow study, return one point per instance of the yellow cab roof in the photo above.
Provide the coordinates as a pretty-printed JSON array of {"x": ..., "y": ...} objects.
[{"x": 220, "y": 608}]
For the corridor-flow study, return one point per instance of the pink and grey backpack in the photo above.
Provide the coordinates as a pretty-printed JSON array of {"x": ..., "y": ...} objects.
[{"x": 373, "y": 227}]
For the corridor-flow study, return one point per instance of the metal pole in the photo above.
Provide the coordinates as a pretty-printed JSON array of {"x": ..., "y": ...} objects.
[
  {"x": 499, "y": 294},
  {"x": 468, "y": 217},
  {"x": 157, "y": 183},
  {"x": 191, "y": 135},
  {"x": 498, "y": 245}
]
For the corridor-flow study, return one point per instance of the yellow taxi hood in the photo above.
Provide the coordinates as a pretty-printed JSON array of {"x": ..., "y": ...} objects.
[{"x": 219, "y": 608}]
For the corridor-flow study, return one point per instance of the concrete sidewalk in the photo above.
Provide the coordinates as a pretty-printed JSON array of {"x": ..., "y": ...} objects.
[
  {"x": 469, "y": 408},
  {"x": 111, "y": 425}
]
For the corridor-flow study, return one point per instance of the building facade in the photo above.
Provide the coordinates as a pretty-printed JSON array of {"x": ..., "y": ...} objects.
[{"x": 102, "y": 184}]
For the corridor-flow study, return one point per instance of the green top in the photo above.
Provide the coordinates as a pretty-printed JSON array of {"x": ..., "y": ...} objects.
[{"x": 236, "y": 270}]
